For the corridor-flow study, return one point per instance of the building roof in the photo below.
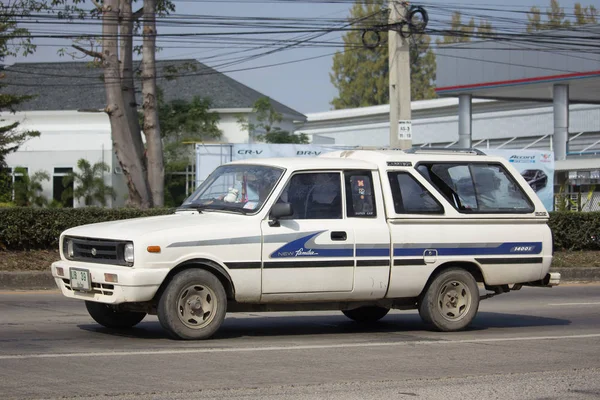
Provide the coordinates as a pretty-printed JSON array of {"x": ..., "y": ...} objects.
[
  {"x": 526, "y": 68},
  {"x": 80, "y": 86}
]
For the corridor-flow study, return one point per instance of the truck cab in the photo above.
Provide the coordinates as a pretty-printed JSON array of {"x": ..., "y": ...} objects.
[{"x": 361, "y": 231}]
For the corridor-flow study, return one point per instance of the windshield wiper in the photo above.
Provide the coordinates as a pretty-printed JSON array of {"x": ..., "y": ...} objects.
[
  {"x": 225, "y": 208},
  {"x": 209, "y": 207}
]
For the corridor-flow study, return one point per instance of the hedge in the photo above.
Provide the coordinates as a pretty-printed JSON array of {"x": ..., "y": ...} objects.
[
  {"x": 26, "y": 228},
  {"x": 39, "y": 228}
]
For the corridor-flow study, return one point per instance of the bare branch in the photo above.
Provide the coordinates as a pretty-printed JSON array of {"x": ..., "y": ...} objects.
[
  {"x": 90, "y": 53},
  {"x": 98, "y": 5},
  {"x": 138, "y": 14}
]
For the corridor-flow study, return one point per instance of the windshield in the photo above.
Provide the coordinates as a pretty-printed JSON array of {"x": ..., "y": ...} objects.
[{"x": 237, "y": 188}]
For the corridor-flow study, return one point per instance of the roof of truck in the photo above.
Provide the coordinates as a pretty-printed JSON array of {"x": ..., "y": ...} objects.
[
  {"x": 371, "y": 158},
  {"x": 310, "y": 162}
]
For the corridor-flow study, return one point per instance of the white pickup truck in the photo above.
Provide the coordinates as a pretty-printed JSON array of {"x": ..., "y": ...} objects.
[{"x": 360, "y": 231}]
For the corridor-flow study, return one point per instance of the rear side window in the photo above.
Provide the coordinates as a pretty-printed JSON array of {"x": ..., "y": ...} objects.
[
  {"x": 360, "y": 196},
  {"x": 477, "y": 187},
  {"x": 410, "y": 197}
]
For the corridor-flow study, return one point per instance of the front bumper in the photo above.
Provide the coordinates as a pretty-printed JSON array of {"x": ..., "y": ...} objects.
[{"x": 134, "y": 284}]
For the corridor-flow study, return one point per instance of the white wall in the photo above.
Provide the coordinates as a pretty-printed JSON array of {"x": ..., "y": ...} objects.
[
  {"x": 355, "y": 129},
  {"x": 66, "y": 137},
  {"x": 232, "y": 131}
]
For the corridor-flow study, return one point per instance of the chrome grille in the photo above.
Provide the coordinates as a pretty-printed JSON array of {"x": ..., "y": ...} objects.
[{"x": 96, "y": 250}]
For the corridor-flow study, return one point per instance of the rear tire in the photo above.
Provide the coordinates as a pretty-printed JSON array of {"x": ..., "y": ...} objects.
[
  {"x": 193, "y": 305},
  {"x": 366, "y": 314},
  {"x": 108, "y": 316},
  {"x": 451, "y": 300}
]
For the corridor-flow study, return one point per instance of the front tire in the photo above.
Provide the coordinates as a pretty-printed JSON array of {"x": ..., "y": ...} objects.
[
  {"x": 108, "y": 316},
  {"x": 193, "y": 305},
  {"x": 366, "y": 314},
  {"x": 451, "y": 300}
]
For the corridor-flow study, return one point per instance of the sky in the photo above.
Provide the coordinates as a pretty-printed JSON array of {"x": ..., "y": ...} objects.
[{"x": 304, "y": 86}]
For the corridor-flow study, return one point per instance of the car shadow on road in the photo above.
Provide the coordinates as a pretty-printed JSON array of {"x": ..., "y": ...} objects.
[{"x": 265, "y": 325}]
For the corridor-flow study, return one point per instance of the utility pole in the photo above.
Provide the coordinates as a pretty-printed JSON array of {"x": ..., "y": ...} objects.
[{"x": 399, "y": 70}]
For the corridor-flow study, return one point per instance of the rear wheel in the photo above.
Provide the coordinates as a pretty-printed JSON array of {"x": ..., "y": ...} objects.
[
  {"x": 451, "y": 300},
  {"x": 366, "y": 314},
  {"x": 193, "y": 305},
  {"x": 109, "y": 316}
]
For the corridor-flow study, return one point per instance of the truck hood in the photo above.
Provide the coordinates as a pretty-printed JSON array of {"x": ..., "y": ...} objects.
[{"x": 130, "y": 229}]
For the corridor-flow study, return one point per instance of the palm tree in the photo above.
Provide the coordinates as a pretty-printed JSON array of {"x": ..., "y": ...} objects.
[
  {"x": 28, "y": 189},
  {"x": 88, "y": 183}
]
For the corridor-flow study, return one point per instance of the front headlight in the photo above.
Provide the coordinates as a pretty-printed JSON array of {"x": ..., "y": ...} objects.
[
  {"x": 70, "y": 251},
  {"x": 128, "y": 253}
]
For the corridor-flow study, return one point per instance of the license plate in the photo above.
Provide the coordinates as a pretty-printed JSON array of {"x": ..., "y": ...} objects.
[{"x": 80, "y": 279}]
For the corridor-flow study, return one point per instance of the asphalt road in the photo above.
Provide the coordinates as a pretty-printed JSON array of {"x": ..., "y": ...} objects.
[{"x": 532, "y": 344}]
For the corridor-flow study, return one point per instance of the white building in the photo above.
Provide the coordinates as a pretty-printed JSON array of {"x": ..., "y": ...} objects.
[
  {"x": 495, "y": 125},
  {"x": 66, "y": 110}
]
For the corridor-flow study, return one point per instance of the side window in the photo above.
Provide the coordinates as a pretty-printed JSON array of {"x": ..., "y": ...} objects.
[
  {"x": 478, "y": 188},
  {"x": 496, "y": 190},
  {"x": 360, "y": 196},
  {"x": 314, "y": 195},
  {"x": 410, "y": 197}
]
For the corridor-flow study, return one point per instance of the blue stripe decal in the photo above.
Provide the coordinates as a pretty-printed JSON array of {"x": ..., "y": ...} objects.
[
  {"x": 372, "y": 252},
  {"x": 298, "y": 248},
  {"x": 503, "y": 249}
]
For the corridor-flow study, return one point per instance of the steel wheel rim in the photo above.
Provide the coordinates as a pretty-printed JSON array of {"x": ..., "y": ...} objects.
[
  {"x": 454, "y": 300},
  {"x": 197, "y": 306}
]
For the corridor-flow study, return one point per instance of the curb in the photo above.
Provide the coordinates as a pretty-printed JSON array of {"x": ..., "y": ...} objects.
[
  {"x": 27, "y": 280},
  {"x": 42, "y": 280}
]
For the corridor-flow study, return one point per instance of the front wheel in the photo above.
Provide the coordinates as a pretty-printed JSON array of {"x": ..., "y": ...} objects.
[
  {"x": 451, "y": 300},
  {"x": 108, "y": 316},
  {"x": 366, "y": 314},
  {"x": 193, "y": 305}
]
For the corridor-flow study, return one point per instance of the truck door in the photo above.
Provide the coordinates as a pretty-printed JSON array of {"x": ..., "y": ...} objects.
[{"x": 311, "y": 251}]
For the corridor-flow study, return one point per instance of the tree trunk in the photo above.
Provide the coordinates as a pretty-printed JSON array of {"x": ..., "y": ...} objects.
[
  {"x": 156, "y": 169},
  {"x": 127, "y": 83},
  {"x": 121, "y": 134}
]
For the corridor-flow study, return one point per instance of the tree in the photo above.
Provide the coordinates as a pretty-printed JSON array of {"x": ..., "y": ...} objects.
[
  {"x": 156, "y": 166},
  {"x": 555, "y": 17},
  {"x": 88, "y": 183},
  {"x": 361, "y": 75},
  {"x": 143, "y": 169},
  {"x": 28, "y": 189},
  {"x": 264, "y": 128},
  {"x": 181, "y": 123},
  {"x": 585, "y": 15},
  {"x": 460, "y": 32},
  {"x": 13, "y": 40}
]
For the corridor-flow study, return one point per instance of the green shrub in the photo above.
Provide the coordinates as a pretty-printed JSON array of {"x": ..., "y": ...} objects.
[
  {"x": 575, "y": 230},
  {"x": 27, "y": 228}
]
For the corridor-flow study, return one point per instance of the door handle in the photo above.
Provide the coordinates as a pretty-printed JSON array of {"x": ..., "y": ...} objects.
[{"x": 338, "y": 235}]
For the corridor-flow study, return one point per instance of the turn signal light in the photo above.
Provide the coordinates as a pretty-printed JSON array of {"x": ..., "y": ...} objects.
[
  {"x": 112, "y": 278},
  {"x": 60, "y": 271},
  {"x": 153, "y": 249}
]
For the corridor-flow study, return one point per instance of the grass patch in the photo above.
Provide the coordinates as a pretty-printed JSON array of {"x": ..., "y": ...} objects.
[
  {"x": 567, "y": 259},
  {"x": 40, "y": 260},
  {"x": 34, "y": 260}
]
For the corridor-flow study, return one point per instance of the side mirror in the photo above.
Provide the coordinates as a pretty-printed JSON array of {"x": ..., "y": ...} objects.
[{"x": 278, "y": 211}]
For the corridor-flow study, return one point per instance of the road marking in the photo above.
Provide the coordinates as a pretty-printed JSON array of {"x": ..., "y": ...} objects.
[
  {"x": 575, "y": 304},
  {"x": 290, "y": 348}
]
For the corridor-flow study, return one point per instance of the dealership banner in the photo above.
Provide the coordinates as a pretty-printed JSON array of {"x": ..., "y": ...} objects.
[
  {"x": 245, "y": 151},
  {"x": 536, "y": 166}
]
